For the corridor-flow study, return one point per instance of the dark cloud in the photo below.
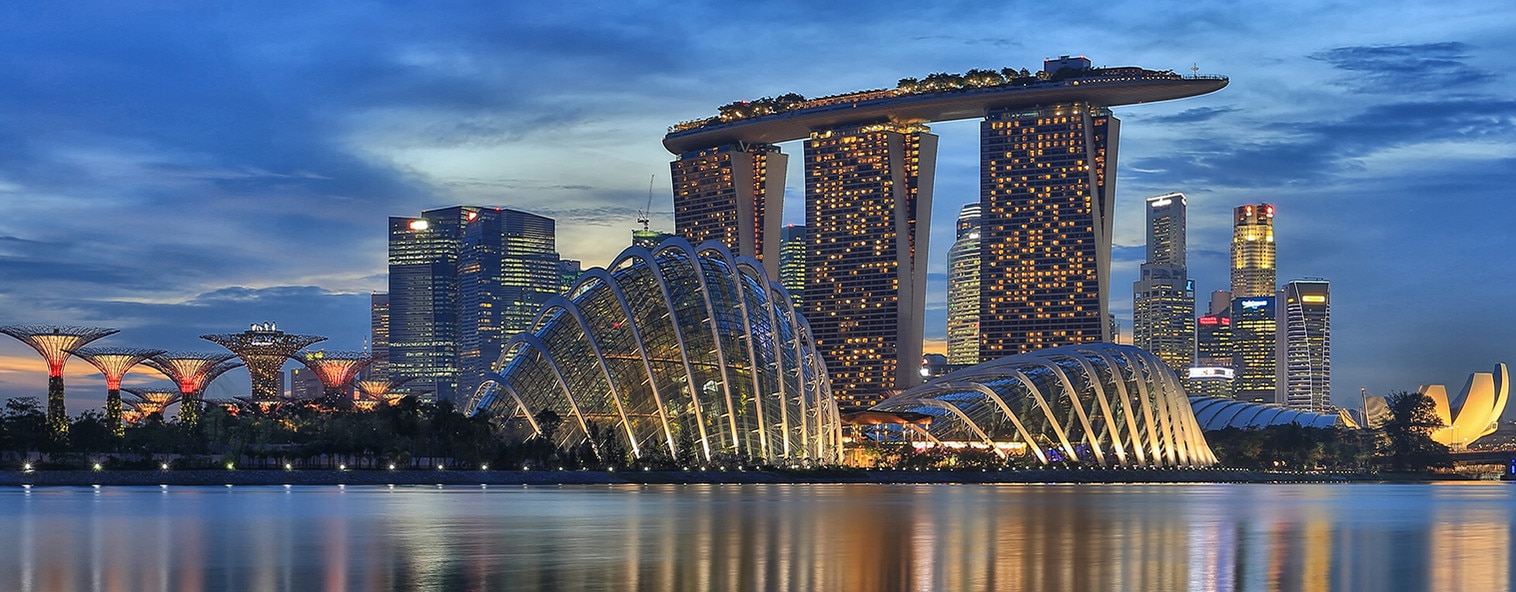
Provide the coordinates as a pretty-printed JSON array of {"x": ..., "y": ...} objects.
[
  {"x": 1193, "y": 115},
  {"x": 1403, "y": 69}
]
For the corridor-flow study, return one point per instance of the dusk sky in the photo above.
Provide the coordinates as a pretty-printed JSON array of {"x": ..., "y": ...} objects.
[{"x": 173, "y": 172}]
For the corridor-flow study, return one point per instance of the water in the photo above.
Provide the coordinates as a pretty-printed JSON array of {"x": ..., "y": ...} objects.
[{"x": 761, "y": 537}]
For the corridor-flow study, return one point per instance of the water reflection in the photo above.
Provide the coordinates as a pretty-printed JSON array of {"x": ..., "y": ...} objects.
[{"x": 760, "y": 537}]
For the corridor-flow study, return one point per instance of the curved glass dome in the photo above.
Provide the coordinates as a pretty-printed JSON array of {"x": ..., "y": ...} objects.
[
  {"x": 1098, "y": 403},
  {"x": 679, "y": 351},
  {"x": 1215, "y": 413}
]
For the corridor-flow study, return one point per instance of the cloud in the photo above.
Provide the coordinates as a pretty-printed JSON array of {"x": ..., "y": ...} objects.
[
  {"x": 1193, "y": 115},
  {"x": 1404, "y": 69}
]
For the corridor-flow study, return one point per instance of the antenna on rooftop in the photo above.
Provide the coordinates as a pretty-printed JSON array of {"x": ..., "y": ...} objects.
[
  {"x": 642, "y": 215},
  {"x": 1194, "y": 70}
]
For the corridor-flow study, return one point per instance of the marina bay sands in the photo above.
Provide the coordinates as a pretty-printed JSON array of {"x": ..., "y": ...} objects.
[{"x": 1048, "y": 147}]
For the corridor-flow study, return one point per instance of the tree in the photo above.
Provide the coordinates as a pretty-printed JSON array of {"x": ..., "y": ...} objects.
[{"x": 1413, "y": 418}]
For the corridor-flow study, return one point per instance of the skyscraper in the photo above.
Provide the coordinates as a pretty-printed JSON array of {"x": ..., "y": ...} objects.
[
  {"x": 792, "y": 245},
  {"x": 1163, "y": 298},
  {"x": 1047, "y": 182},
  {"x": 1254, "y": 322},
  {"x": 868, "y": 189},
  {"x": 723, "y": 194},
  {"x": 963, "y": 290},
  {"x": 1305, "y": 345},
  {"x": 379, "y": 336},
  {"x": 568, "y": 273},
  {"x": 463, "y": 280},
  {"x": 1213, "y": 373}
]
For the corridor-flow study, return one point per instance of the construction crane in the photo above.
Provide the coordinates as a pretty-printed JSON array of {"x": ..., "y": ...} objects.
[{"x": 642, "y": 215}]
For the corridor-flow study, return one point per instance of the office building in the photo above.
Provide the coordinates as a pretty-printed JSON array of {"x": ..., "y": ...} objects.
[
  {"x": 1253, "y": 272},
  {"x": 1047, "y": 177},
  {"x": 963, "y": 290},
  {"x": 379, "y": 336},
  {"x": 648, "y": 239},
  {"x": 1305, "y": 345},
  {"x": 463, "y": 280},
  {"x": 305, "y": 385},
  {"x": 1254, "y": 326},
  {"x": 1212, "y": 374},
  {"x": 792, "y": 247},
  {"x": 1163, "y": 298},
  {"x": 723, "y": 194},
  {"x": 568, "y": 273},
  {"x": 868, "y": 189}
]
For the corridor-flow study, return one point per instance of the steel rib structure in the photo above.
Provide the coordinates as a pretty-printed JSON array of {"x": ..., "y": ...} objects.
[
  {"x": 680, "y": 351},
  {"x": 1102, "y": 404}
]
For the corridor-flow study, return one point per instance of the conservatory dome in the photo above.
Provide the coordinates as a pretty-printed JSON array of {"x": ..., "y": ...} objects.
[{"x": 675, "y": 352}]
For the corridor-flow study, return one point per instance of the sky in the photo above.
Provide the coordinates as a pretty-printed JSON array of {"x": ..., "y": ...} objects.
[{"x": 174, "y": 171}]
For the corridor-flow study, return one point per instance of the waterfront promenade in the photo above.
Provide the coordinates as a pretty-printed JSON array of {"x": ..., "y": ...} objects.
[{"x": 467, "y": 477}]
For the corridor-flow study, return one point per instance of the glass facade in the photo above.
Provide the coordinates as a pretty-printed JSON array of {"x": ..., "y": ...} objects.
[
  {"x": 1163, "y": 298},
  {"x": 792, "y": 245},
  {"x": 1218, "y": 414},
  {"x": 1307, "y": 344},
  {"x": 963, "y": 290},
  {"x": 679, "y": 352},
  {"x": 1047, "y": 183},
  {"x": 1099, "y": 404}
]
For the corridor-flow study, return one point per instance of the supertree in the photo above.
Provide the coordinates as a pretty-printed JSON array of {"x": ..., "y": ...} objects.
[
  {"x": 149, "y": 401},
  {"x": 113, "y": 362},
  {"x": 55, "y": 342},
  {"x": 190, "y": 371},
  {"x": 264, "y": 349},
  {"x": 374, "y": 391},
  {"x": 336, "y": 370}
]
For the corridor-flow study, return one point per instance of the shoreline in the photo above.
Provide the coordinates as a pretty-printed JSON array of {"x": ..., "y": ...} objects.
[{"x": 211, "y": 477}]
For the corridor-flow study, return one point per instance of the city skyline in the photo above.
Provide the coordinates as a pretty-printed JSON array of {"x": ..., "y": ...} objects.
[{"x": 151, "y": 188}]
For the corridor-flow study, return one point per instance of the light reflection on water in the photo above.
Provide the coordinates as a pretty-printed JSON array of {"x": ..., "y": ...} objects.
[{"x": 761, "y": 537}]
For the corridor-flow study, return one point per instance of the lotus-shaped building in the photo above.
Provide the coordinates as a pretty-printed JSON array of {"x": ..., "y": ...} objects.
[
  {"x": 676, "y": 352},
  {"x": 1100, "y": 404},
  {"x": 1475, "y": 413}
]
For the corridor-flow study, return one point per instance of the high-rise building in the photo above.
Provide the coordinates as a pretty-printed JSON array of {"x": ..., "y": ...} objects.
[
  {"x": 462, "y": 281},
  {"x": 1253, "y": 272},
  {"x": 1253, "y": 342},
  {"x": 1305, "y": 345},
  {"x": 723, "y": 194},
  {"x": 1254, "y": 322},
  {"x": 568, "y": 273},
  {"x": 792, "y": 245},
  {"x": 648, "y": 239},
  {"x": 1213, "y": 374},
  {"x": 1163, "y": 298},
  {"x": 868, "y": 195},
  {"x": 1047, "y": 182},
  {"x": 304, "y": 384},
  {"x": 379, "y": 336},
  {"x": 963, "y": 290}
]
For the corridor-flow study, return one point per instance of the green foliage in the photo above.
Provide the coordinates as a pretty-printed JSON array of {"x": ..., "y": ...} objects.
[
  {"x": 1408, "y": 444},
  {"x": 1292, "y": 447}
]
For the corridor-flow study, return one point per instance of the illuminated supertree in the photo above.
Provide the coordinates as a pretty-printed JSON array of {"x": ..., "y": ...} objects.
[
  {"x": 373, "y": 391},
  {"x": 336, "y": 370},
  {"x": 264, "y": 349},
  {"x": 55, "y": 342},
  {"x": 113, "y": 362},
  {"x": 146, "y": 402},
  {"x": 190, "y": 371}
]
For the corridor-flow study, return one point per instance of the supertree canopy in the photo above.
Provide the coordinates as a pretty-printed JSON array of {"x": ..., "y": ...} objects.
[
  {"x": 191, "y": 371},
  {"x": 55, "y": 342},
  {"x": 145, "y": 402},
  {"x": 374, "y": 391},
  {"x": 336, "y": 370},
  {"x": 114, "y": 362},
  {"x": 264, "y": 349}
]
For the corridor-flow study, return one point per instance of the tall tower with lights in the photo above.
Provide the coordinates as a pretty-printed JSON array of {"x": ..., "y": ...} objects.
[
  {"x": 1305, "y": 345},
  {"x": 963, "y": 290},
  {"x": 1047, "y": 178},
  {"x": 725, "y": 194},
  {"x": 868, "y": 204},
  {"x": 1254, "y": 307},
  {"x": 1163, "y": 298}
]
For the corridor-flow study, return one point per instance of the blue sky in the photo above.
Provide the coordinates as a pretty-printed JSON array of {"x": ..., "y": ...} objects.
[{"x": 176, "y": 171}]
